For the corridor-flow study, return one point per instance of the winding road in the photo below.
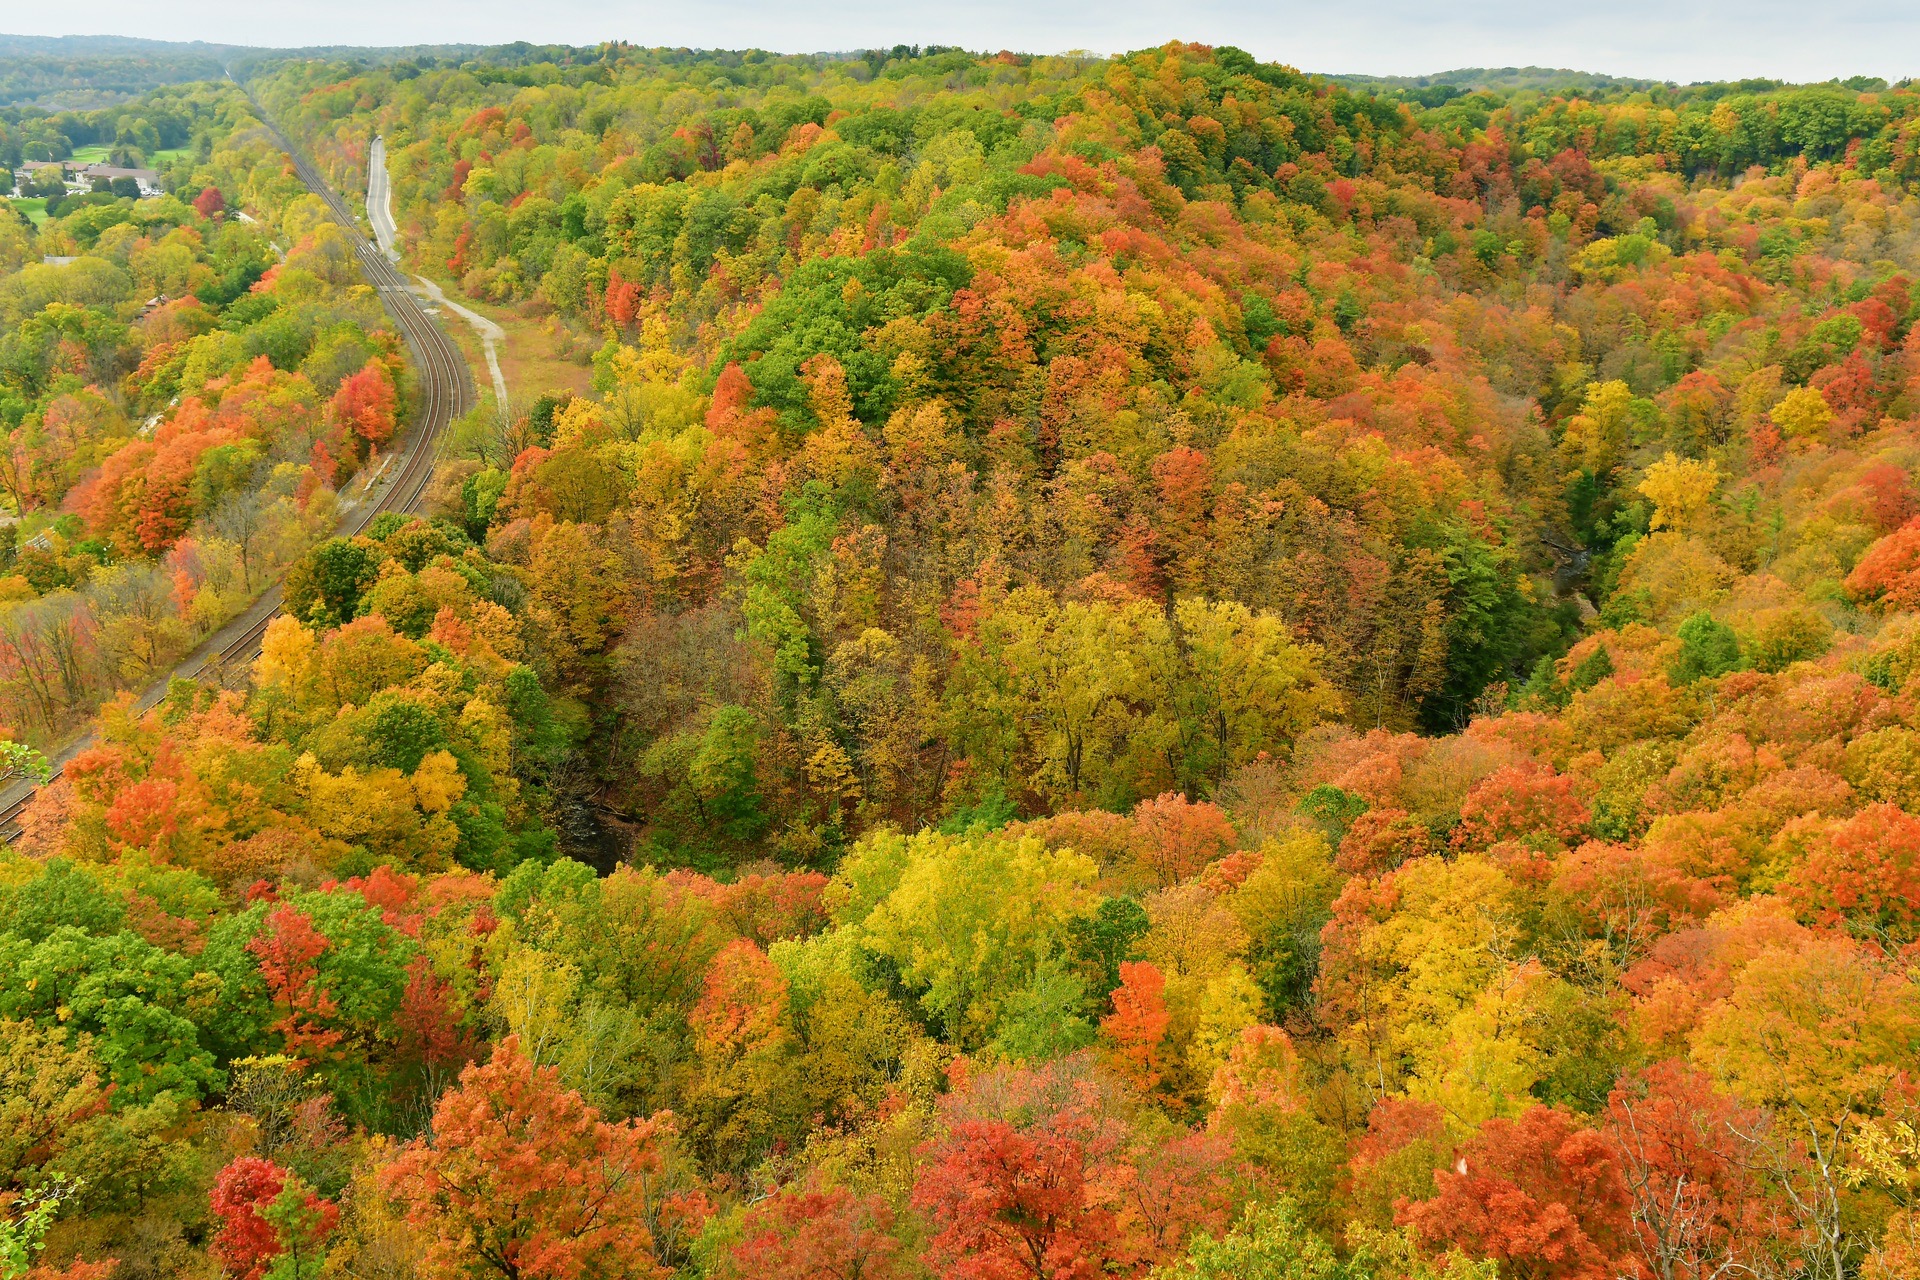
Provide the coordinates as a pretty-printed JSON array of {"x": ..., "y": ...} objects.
[{"x": 446, "y": 392}]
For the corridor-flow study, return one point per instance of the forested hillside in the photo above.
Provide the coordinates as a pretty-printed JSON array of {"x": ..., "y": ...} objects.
[
  {"x": 1135, "y": 667},
  {"x": 95, "y": 71},
  {"x": 181, "y": 387}
]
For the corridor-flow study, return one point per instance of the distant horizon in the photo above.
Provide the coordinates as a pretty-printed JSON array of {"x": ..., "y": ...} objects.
[
  {"x": 1437, "y": 75},
  {"x": 1713, "y": 40}
]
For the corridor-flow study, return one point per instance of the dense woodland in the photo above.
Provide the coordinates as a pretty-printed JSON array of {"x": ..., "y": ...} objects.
[
  {"x": 1148, "y": 667},
  {"x": 95, "y": 71},
  {"x": 179, "y": 396}
]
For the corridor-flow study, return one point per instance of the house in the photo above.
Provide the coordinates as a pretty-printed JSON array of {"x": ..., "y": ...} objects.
[
  {"x": 82, "y": 177},
  {"x": 34, "y": 176}
]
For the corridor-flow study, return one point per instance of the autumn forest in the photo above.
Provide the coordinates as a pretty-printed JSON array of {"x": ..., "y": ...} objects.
[{"x": 1024, "y": 668}]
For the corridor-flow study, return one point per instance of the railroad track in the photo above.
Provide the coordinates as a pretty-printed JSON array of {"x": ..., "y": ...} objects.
[{"x": 446, "y": 392}]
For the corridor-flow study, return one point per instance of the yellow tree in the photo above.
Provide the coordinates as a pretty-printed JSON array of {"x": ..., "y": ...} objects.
[
  {"x": 1407, "y": 953},
  {"x": 1061, "y": 690},
  {"x": 1597, "y": 438},
  {"x": 1818, "y": 1035},
  {"x": 1803, "y": 413},
  {"x": 1682, "y": 492},
  {"x": 1237, "y": 684},
  {"x": 575, "y": 583},
  {"x": 965, "y": 919}
]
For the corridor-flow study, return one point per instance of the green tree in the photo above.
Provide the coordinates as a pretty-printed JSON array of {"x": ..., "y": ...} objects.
[
  {"x": 1104, "y": 940},
  {"x": 967, "y": 920},
  {"x": 1271, "y": 1242},
  {"x": 129, "y": 995},
  {"x": 24, "y": 1227},
  {"x": 1708, "y": 648},
  {"x": 318, "y": 974},
  {"x": 18, "y": 760},
  {"x": 325, "y": 587}
]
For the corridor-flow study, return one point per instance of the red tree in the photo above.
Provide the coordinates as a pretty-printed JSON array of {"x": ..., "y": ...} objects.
[
  {"x": 287, "y": 950},
  {"x": 1866, "y": 868},
  {"x": 393, "y": 893},
  {"x": 731, "y": 415},
  {"x": 1381, "y": 839},
  {"x": 1521, "y": 802},
  {"x": 1009, "y": 1203},
  {"x": 427, "y": 1024},
  {"x": 763, "y": 908},
  {"x": 1888, "y": 575},
  {"x": 744, "y": 1002},
  {"x": 243, "y": 1198},
  {"x": 1184, "y": 478},
  {"x": 622, "y": 300},
  {"x": 209, "y": 202},
  {"x": 522, "y": 1179},
  {"x": 77, "y": 1270},
  {"x": 1173, "y": 1189},
  {"x": 366, "y": 404},
  {"x": 1138, "y": 1024},
  {"x": 1539, "y": 1195},
  {"x": 1698, "y": 1208},
  {"x": 817, "y": 1233},
  {"x": 1178, "y": 837},
  {"x": 1887, "y": 494},
  {"x": 1039, "y": 1175}
]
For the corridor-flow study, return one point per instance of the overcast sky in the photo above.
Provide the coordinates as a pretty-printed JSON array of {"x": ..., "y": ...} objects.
[{"x": 1657, "y": 39}]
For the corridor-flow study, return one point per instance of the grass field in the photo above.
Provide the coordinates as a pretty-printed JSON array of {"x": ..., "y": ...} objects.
[
  {"x": 35, "y": 207},
  {"x": 534, "y": 358},
  {"x": 161, "y": 158},
  {"x": 90, "y": 155}
]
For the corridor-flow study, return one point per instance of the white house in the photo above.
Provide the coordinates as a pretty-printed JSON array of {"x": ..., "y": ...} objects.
[{"x": 81, "y": 177}]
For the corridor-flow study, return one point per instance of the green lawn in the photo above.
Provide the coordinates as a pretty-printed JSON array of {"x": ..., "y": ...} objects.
[
  {"x": 90, "y": 155},
  {"x": 35, "y": 207},
  {"x": 161, "y": 158}
]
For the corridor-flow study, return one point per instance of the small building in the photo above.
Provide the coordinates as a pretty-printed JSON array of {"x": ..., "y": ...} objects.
[
  {"x": 25, "y": 180},
  {"x": 83, "y": 176}
]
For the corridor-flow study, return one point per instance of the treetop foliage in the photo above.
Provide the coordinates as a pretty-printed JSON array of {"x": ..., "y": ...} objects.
[{"x": 1060, "y": 668}]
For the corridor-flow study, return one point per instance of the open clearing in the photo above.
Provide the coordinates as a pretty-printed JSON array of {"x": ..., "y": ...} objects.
[{"x": 535, "y": 357}]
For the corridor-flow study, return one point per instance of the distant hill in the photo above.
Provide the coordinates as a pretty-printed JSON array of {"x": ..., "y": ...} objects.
[
  {"x": 104, "y": 47},
  {"x": 88, "y": 72},
  {"x": 1432, "y": 90},
  {"x": 1504, "y": 78},
  {"x": 83, "y": 72},
  {"x": 1444, "y": 86}
]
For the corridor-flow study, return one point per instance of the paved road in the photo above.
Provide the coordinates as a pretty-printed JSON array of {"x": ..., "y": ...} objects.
[
  {"x": 380, "y": 201},
  {"x": 386, "y": 234},
  {"x": 446, "y": 392}
]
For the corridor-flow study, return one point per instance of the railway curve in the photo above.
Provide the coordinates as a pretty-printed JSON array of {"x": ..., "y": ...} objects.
[{"x": 445, "y": 393}]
